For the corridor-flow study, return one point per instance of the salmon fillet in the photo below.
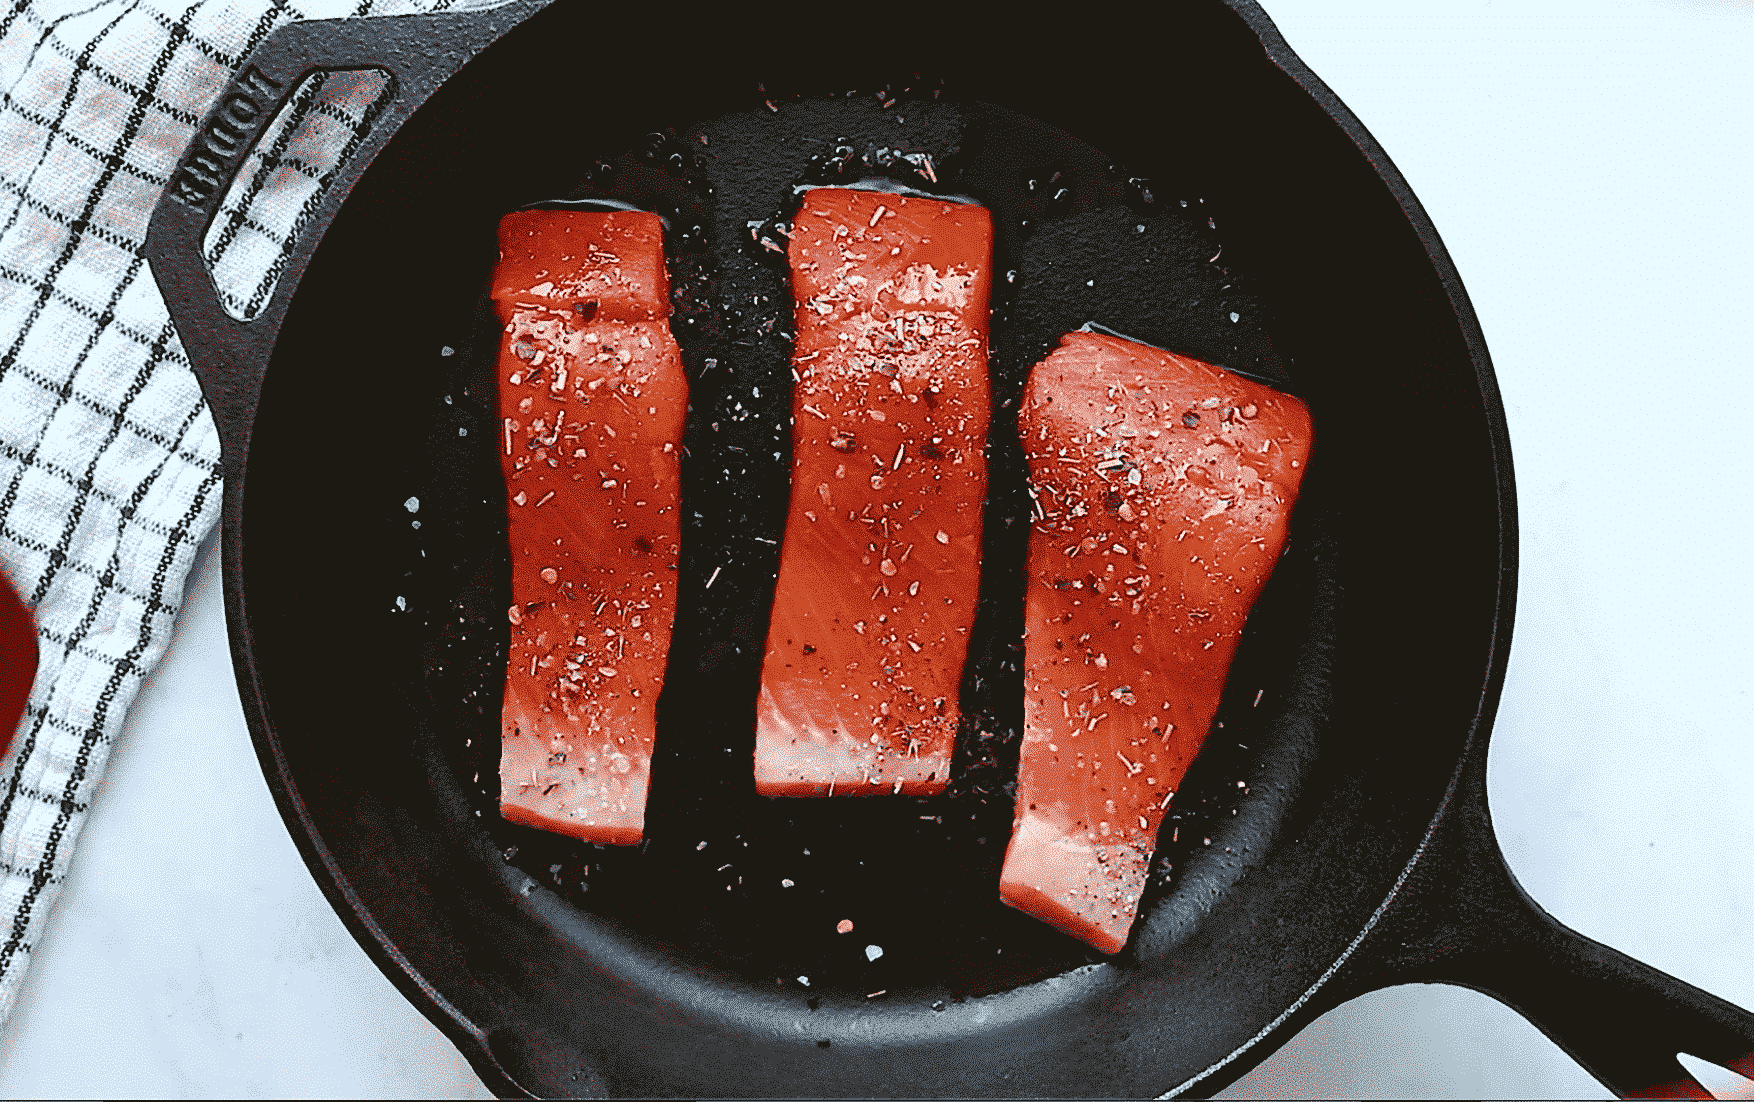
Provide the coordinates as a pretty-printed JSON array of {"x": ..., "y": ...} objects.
[
  {"x": 1163, "y": 489},
  {"x": 592, "y": 401},
  {"x": 880, "y": 565}
]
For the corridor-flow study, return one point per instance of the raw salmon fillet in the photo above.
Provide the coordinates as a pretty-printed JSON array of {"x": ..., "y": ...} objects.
[
  {"x": 592, "y": 399},
  {"x": 1163, "y": 489},
  {"x": 880, "y": 566}
]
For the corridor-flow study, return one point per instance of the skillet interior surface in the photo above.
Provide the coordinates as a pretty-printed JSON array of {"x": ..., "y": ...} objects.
[{"x": 675, "y": 968}]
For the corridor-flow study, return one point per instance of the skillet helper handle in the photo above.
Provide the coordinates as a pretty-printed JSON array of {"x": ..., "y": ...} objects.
[
  {"x": 418, "y": 52},
  {"x": 230, "y": 355},
  {"x": 1462, "y": 918}
]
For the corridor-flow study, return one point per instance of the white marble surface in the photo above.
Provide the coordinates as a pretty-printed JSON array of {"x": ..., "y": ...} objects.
[{"x": 1587, "y": 167}]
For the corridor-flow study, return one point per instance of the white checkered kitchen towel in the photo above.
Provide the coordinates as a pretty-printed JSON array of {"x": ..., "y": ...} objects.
[{"x": 109, "y": 462}]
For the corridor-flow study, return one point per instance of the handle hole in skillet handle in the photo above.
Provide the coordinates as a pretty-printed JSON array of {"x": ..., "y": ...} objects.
[
  {"x": 1722, "y": 1082},
  {"x": 281, "y": 184}
]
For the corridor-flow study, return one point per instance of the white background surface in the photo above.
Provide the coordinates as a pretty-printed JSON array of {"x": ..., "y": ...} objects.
[{"x": 1587, "y": 166}]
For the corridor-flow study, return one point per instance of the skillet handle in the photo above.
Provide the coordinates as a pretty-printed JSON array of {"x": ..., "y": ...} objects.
[
  {"x": 419, "y": 52},
  {"x": 1461, "y": 918}
]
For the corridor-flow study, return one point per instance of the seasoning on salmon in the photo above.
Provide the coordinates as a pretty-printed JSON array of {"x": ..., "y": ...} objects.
[
  {"x": 1163, "y": 488},
  {"x": 880, "y": 567},
  {"x": 592, "y": 399}
]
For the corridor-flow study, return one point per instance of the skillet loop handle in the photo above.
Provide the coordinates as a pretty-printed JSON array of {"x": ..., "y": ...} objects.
[
  {"x": 418, "y": 52},
  {"x": 1462, "y": 918},
  {"x": 230, "y": 355}
]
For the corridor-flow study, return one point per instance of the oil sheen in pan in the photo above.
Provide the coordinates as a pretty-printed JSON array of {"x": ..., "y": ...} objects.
[{"x": 763, "y": 887}]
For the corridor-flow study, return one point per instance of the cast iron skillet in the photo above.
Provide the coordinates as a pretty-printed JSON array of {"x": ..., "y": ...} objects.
[{"x": 1333, "y": 839}]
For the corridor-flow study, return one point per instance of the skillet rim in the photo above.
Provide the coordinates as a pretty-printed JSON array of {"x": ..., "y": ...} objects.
[{"x": 369, "y": 933}]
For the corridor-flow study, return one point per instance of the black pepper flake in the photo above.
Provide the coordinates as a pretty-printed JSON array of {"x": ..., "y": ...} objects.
[
  {"x": 808, "y": 649},
  {"x": 1190, "y": 419},
  {"x": 585, "y": 310}
]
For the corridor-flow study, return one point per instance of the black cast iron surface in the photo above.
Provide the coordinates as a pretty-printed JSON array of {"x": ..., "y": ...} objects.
[{"x": 1286, "y": 880}]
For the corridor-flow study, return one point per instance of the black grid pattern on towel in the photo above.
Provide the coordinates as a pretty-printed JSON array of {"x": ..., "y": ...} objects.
[{"x": 109, "y": 463}]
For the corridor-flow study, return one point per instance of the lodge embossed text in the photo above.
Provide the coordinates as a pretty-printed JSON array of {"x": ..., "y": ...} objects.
[{"x": 225, "y": 136}]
